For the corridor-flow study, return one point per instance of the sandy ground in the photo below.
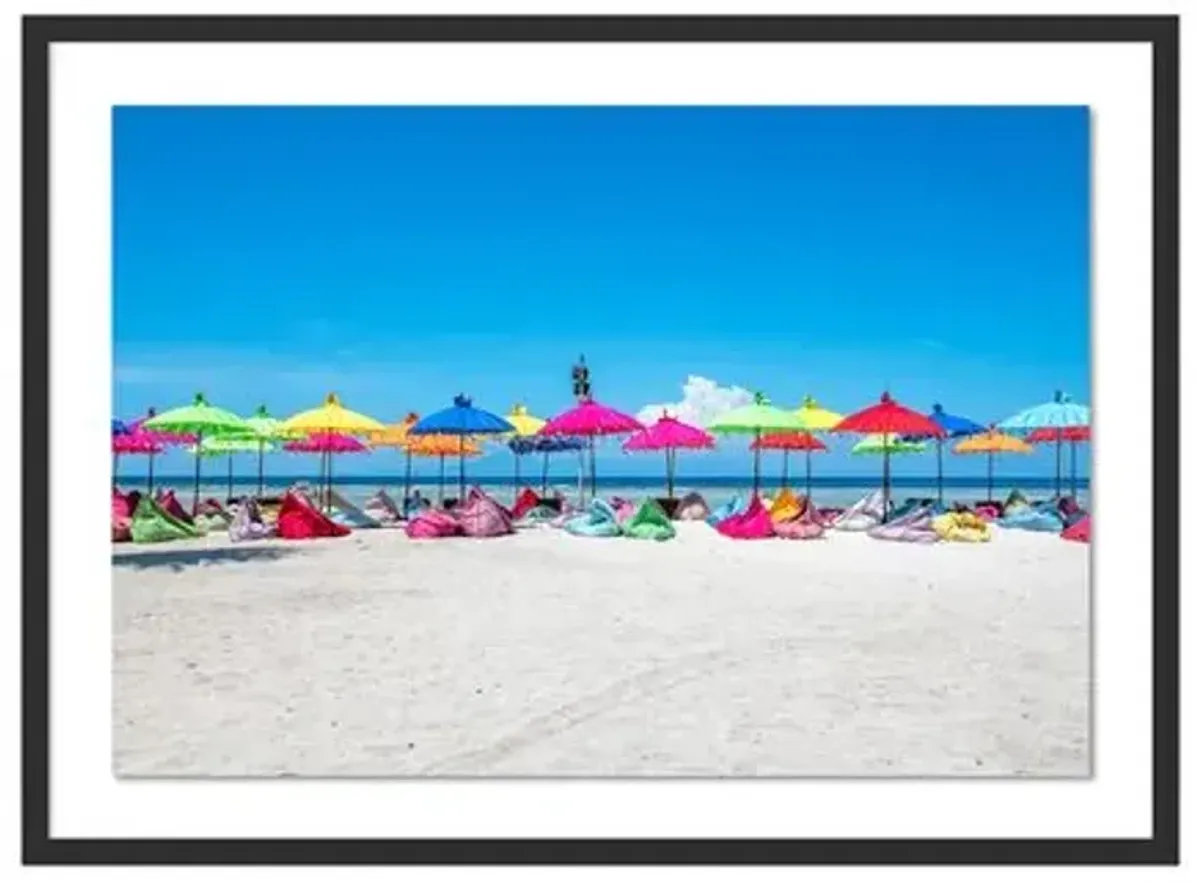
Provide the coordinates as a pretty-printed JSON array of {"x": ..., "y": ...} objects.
[{"x": 544, "y": 654}]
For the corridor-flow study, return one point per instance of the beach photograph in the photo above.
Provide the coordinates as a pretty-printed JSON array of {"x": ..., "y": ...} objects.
[{"x": 601, "y": 442}]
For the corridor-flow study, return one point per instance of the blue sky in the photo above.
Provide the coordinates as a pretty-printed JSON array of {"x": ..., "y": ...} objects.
[{"x": 398, "y": 256}]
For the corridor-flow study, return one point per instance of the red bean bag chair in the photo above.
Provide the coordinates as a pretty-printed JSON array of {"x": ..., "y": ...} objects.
[
  {"x": 1080, "y": 531},
  {"x": 753, "y": 523},
  {"x": 300, "y": 519},
  {"x": 481, "y": 516},
  {"x": 122, "y": 517},
  {"x": 432, "y": 524},
  {"x": 169, "y": 504},
  {"x": 526, "y": 501}
]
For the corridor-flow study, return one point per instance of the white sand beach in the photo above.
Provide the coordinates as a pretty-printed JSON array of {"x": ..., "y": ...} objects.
[{"x": 546, "y": 654}]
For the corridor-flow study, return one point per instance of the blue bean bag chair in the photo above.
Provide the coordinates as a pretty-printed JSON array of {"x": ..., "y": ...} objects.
[
  {"x": 1042, "y": 518},
  {"x": 598, "y": 520},
  {"x": 736, "y": 505}
]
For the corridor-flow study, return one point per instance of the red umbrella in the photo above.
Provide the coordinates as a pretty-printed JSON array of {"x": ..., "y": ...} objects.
[
  {"x": 888, "y": 416},
  {"x": 1071, "y": 434},
  {"x": 590, "y": 419},
  {"x": 787, "y": 442},
  {"x": 669, "y": 434}
]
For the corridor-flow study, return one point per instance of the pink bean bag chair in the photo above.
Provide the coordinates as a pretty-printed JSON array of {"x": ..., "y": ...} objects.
[
  {"x": 989, "y": 511},
  {"x": 122, "y": 517},
  {"x": 1080, "y": 531},
  {"x": 807, "y": 525},
  {"x": 481, "y": 516},
  {"x": 170, "y": 504},
  {"x": 624, "y": 509},
  {"x": 433, "y": 524},
  {"x": 300, "y": 519},
  {"x": 753, "y": 523}
]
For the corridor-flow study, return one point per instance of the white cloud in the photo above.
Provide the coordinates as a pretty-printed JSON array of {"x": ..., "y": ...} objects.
[{"x": 703, "y": 401}]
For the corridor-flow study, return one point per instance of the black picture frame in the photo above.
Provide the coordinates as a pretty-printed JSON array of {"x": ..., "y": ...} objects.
[{"x": 40, "y": 33}]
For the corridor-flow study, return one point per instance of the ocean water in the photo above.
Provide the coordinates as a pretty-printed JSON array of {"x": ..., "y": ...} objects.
[{"x": 827, "y": 491}]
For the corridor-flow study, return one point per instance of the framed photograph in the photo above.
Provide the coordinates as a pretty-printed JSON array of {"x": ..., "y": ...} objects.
[{"x": 601, "y": 440}]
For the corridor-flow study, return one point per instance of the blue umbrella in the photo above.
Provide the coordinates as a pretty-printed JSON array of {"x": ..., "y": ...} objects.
[
  {"x": 954, "y": 427},
  {"x": 462, "y": 420},
  {"x": 1061, "y": 413},
  {"x": 545, "y": 445},
  {"x": 119, "y": 428}
]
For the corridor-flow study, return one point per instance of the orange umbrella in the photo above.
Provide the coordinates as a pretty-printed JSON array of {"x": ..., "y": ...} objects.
[
  {"x": 396, "y": 435},
  {"x": 992, "y": 442},
  {"x": 787, "y": 442}
]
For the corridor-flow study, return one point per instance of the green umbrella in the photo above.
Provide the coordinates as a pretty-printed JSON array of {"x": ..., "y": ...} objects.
[
  {"x": 755, "y": 419},
  {"x": 217, "y": 446},
  {"x": 890, "y": 442},
  {"x": 200, "y": 419},
  {"x": 266, "y": 428}
]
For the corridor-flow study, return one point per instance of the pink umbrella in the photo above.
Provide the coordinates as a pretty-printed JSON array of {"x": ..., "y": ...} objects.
[
  {"x": 327, "y": 444},
  {"x": 591, "y": 419},
  {"x": 670, "y": 435},
  {"x": 137, "y": 442}
]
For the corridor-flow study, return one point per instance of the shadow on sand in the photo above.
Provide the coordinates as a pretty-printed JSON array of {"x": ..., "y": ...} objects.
[{"x": 177, "y": 559}]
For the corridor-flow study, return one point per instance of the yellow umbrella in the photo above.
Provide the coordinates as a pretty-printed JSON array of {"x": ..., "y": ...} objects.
[
  {"x": 396, "y": 435},
  {"x": 526, "y": 426},
  {"x": 992, "y": 442},
  {"x": 441, "y": 446},
  {"x": 814, "y": 418},
  {"x": 331, "y": 417}
]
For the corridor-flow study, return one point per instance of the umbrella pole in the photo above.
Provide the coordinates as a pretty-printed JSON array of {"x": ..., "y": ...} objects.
[
  {"x": 260, "y": 468},
  {"x": 545, "y": 472},
  {"x": 939, "y": 475},
  {"x": 886, "y": 477},
  {"x": 592, "y": 449},
  {"x": 116, "y": 460},
  {"x": 150, "y": 475},
  {"x": 1057, "y": 463},
  {"x": 783, "y": 484},
  {"x": 989, "y": 496},
  {"x": 516, "y": 475},
  {"x": 1073, "y": 469},
  {"x": 757, "y": 455},
  {"x": 808, "y": 475},
  {"x": 407, "y": 476},
  {"x": 196, "y": 486},
  {"x": 462, "y": 470},
  {"x": 229, "y": 495}
]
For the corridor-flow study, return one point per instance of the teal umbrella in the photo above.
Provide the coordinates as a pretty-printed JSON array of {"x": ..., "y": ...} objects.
[{"x": 1058, "y": 415}]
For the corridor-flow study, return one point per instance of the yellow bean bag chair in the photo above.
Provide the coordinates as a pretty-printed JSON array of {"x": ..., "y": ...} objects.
[
  {"x": 786, "y": 506},
  {"x": 962, "y": 526}
]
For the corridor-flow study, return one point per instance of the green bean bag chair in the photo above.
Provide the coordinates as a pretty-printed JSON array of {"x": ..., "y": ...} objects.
[
  {"x": 152, "y": 523},
  {"x": 650, "y": 521}
]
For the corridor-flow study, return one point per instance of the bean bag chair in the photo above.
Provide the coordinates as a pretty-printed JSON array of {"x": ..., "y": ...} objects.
[
  {"x": 989, "y": 511},
  {"x": 599, "y": 520},
  {"x": 863, "y": 515},
  {"x": 346, "y": 513},
  {"x": 787, "y": 506},
  {"x": 1013, "y": 503},
  {"x": 962, "y": 526},
  {"x": 481, "y": 516},
  {"x": 649, "y": 522},
  {"x": 526, "y": 501},
  {"x": 415, "y": 505},
  {"x": 248, "y": 523},
  {"x": 538, "y": 516},
  {"x": 382, "y": 509},
  {"x": 913, "y": 526},
  {"x": 1069, "y": 509},
  {"x": 432, "y": 524},
  {"x": 623, "y": 508},
  {"x": 1042, "y": 518},
  {"x": 806, "y": 525},
  {"x": 300, "y": 519},
  {"x": 753, "y": 523},
  {"x": 692, "y": 507},
  {"x": 170, "y": 504},
  {"x": 122, "y": 517},
  {"x": 830, "y": 514},
  {"x": 153, "y": 523},
  {"x": 1080, "y": 531},
  {"x": 726, "y": 510}
]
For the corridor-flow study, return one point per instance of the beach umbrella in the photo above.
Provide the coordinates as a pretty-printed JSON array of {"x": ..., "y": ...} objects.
[
  {"x": 119, "y": 428},
  {"x": 201, "y": 420},
  {"x": 670, "y": 436},
  {"x": 1073, "y": 435},
  {"x": 216, "y": 446},
  {"x": 396, "y": 435},
  {"x": 525, "y": 425},
  {"x": 440, "y": 446},
  {"x": 546, "y": 445},
  {"x": 756, "y": 418},
  {"x": 151, "y": 443},
  {"x": 590, "y": 419},
  {"x": 992, "y": 442},
  {"x": 888, "y": 418},
  {"x": 788, "y": 442},
  {"x": 1058, "y": 415},
  {"x": 464, "y": 421},
  {"x": 327, "y": 444},
  {"x": 954, "y": 427},
  {"x": 264, "y": 429},
  {"x": 331, "y": 417},
  {"x": 143, "y": 443}
]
